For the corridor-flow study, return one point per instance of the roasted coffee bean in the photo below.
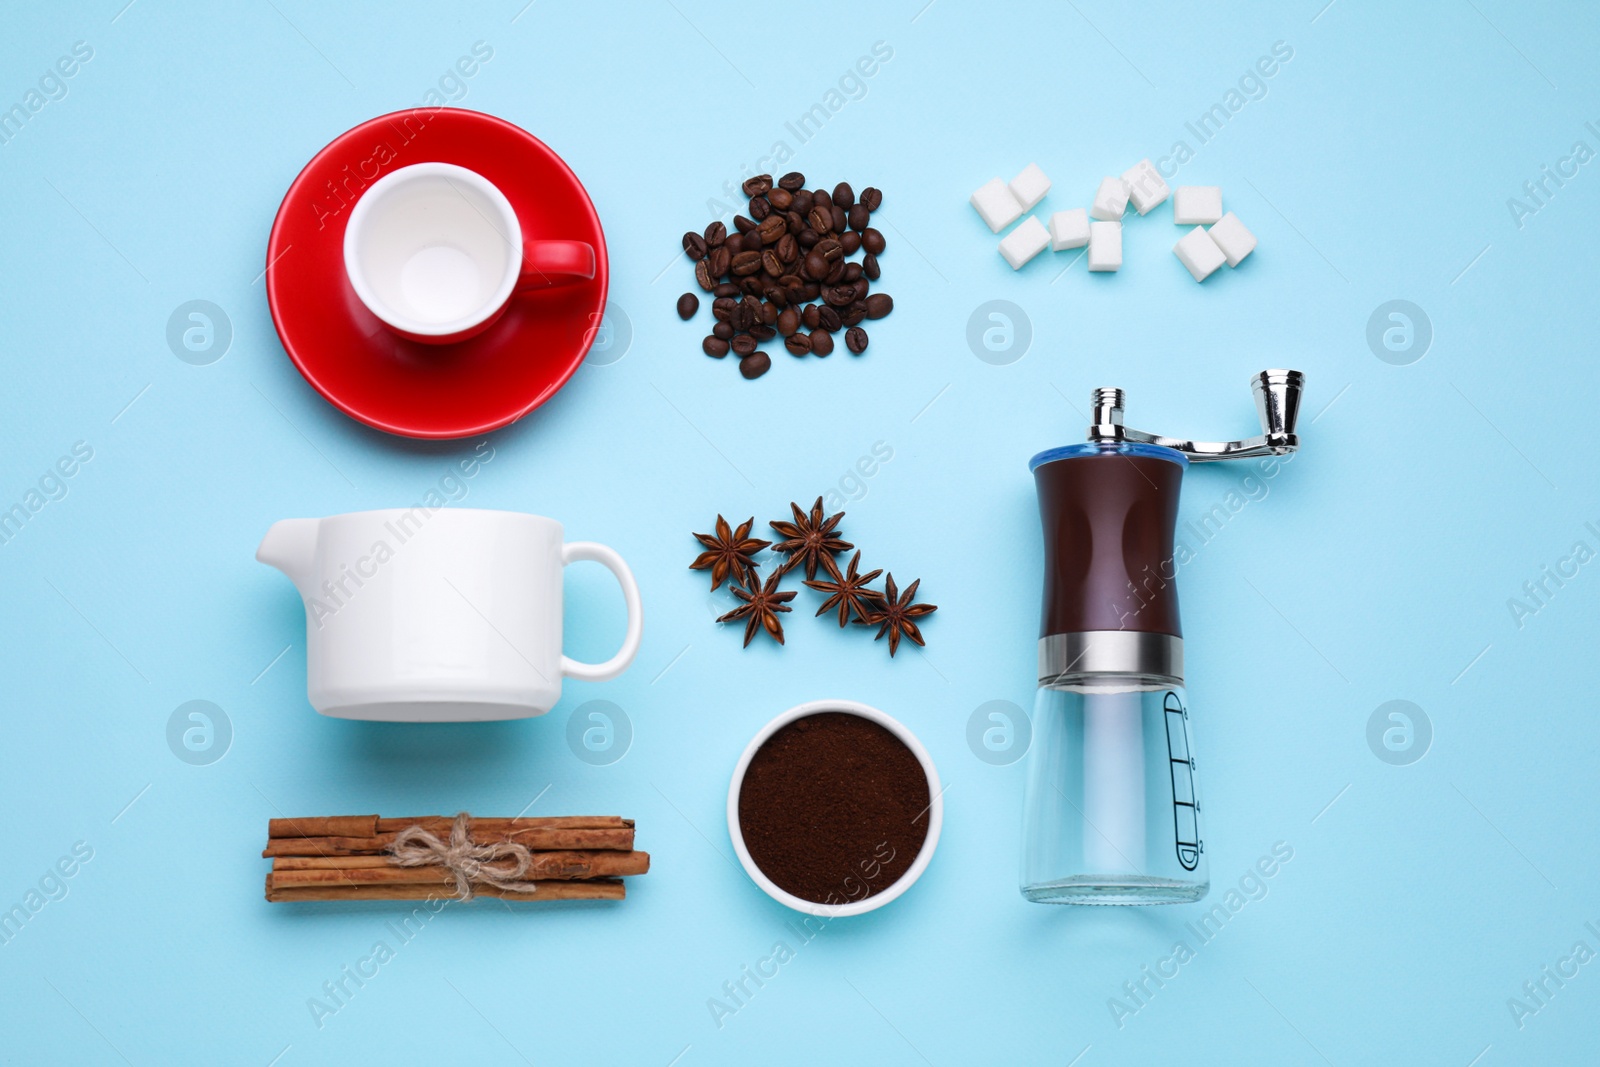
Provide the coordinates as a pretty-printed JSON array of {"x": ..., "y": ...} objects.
[
  {"x": 773, "y": 228},
  {"x": 770, "y": 263},
  {"x": 722, "y": 259},
  {"x": 855, "y": 339},
  {"x": 722, "y": 307},
  {"x": 703, "y": 275},
  {"x": 816, "y": 265},
  {"x": 716, "y": 233},
  {"x": 807, "y": 238},
  {"x": 794, "y": 222},
  {"x": 723, "y": 331},
  {"x": 798, "y": 344},
  {"x": 831, "y": 248},
  {"x": 792, "y": 182},
  {"x": 821, "y": 343},
  {"x": 788, "y": 249},
  {"x": 762, "y": 332},
  {"x": 757, "y": 185},
  {"x": 777, "y": 297},
  {"x": 871, "y": 198},
  {"x": 812, "y": 291},
  {"x": 755, "y": 366},
  {"x": 760, "y": 208},
  {"x": 872, "y": 240},
  {"x": 860, "y": 217},
  {"x": 853, "y": 314},
  {"x": 835, "y": 272},
  {"x": 843, "y": 195},
  {"x": 742, "y": 224},
  {"x": 820, "y": 218},
  {"x": 796, "y": 294},
  {"x": 751, "y": 286},
  {"x": 822, "y": 198},
  {"x": 714, "y": 346},
  {"x": 694, "y": 246},
  {"x": 851, "y": 240},
  {"x": 743, "y": 317},
  {"x": 808, "y": 317},
  {"x": 838, "y": 219},
  {"x": 743, "y": 345},
  {"x": 765, "y": 313},
  {"x": 869, "y": 266},
  {"x": 852, "y": 272},
  {"x": 726, "y": 289},
  {"x": 753, "y": 240},
  {"x": 688, "y": 304},
  {"x": 734, "y": 244},
  {"x": 780, "y": 199},
  {"x": 746, "y": 262},
  {"x": 879, "y": 305},
  {"x": 788, "y": 322},
  {"x": 839, "y": 295},
  {"x": 802, "y": 201},
  {"x": 828, "y": 319}
]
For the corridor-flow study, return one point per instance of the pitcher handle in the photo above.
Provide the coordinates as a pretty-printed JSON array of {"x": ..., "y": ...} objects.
[{"x": 592, "y": 552}]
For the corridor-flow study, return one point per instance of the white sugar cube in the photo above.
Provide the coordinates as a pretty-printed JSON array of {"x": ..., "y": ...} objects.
[
  {"x": 1069, "y": 229},
  {"x": 1235, "y": 241},
  {"x": 1197, "y": 205},
  {"x": 1105, "y": 245},
  {"x": 997, "y": 204},
  {"x": 1024, "y": 242},
  {"x": 1145, "y": 187},
  {"x": 1197, "y": 251},
  {"x": 1030, "y": 186},
  {"x": 1111, "y": 200}
]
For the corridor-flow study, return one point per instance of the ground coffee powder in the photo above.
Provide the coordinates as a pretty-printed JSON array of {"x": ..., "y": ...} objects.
[{"x": 834, "y": 808}]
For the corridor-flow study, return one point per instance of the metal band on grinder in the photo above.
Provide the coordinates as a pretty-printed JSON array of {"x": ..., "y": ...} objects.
[{"x": 1064, "y": 657}]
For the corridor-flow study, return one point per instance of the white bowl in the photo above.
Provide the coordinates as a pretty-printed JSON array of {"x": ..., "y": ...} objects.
[{"x": 935, "y": 811}]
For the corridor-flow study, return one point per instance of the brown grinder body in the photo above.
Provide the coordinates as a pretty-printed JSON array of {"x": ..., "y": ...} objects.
[{"x": 1109, "y": 513}]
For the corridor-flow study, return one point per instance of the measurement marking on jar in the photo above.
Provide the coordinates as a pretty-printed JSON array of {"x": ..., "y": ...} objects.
[{"x": 1185, "y": 810}]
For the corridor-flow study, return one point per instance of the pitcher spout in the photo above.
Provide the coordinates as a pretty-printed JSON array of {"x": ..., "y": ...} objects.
[{"x": 291, "y": 546}]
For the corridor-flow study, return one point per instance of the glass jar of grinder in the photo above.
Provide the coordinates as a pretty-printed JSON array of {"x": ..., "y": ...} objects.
[{"x": 1112, "y": 810}]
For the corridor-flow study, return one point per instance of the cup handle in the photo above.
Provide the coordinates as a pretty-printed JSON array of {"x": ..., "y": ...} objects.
[
  {"x": 547, "y": 264},
  {"x": 589, "y": 551}
]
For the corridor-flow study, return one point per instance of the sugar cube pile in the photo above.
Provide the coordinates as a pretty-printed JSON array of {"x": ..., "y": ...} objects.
[{"x": 1216, "y": 237}]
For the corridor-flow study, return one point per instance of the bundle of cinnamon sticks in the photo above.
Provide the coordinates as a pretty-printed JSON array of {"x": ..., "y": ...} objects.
[{"x": 348, "y": 857}]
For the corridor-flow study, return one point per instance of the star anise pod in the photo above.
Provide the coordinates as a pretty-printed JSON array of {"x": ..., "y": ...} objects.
[
  {"x": 729, "y": 553},
  {"x": 761, "y": 608},
  {"x": 810, "y": 539},
  {"x": 849, "y": 593},
  {"x": 894, "y": 616}
]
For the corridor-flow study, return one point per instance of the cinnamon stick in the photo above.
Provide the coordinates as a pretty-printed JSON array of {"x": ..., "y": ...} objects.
[
  {"x": 547, "y": 891},
  {"x": 565, "y": 866},
  {"x": 617, "y": 838},
  {"x": 372, "y": 825}
]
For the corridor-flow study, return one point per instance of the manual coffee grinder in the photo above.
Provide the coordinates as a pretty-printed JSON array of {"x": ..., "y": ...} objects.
[{"x": 1112, "y": 811}]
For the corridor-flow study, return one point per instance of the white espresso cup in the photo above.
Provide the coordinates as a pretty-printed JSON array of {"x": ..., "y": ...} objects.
[
  {"x": 436, "y": 252},
  {"x": 442, "y": 615}
]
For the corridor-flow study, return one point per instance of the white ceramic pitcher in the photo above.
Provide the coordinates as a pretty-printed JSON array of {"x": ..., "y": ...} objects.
[{"x": 441, "y": 615}]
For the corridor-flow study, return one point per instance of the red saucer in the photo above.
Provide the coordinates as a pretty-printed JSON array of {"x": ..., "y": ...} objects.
[{"x": 400, "y": 386}]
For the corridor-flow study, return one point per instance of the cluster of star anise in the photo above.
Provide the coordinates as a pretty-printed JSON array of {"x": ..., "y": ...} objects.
[{"x": 810, "y": 541}]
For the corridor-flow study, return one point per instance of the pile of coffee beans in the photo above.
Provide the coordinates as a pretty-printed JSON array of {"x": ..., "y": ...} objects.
[{"x": 785, "y": 272}]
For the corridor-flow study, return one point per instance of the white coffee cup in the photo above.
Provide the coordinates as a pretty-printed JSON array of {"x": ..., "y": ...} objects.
[
  {"x": 436, "y": 252},
  {"x": 441, "y": 615}
]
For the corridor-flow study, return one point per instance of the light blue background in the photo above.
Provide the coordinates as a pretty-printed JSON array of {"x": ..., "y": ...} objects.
[{"x": 1377, "y": 567}]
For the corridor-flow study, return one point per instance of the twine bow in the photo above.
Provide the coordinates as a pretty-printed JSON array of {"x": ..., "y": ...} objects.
[{"x": 500, "y": 864}]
